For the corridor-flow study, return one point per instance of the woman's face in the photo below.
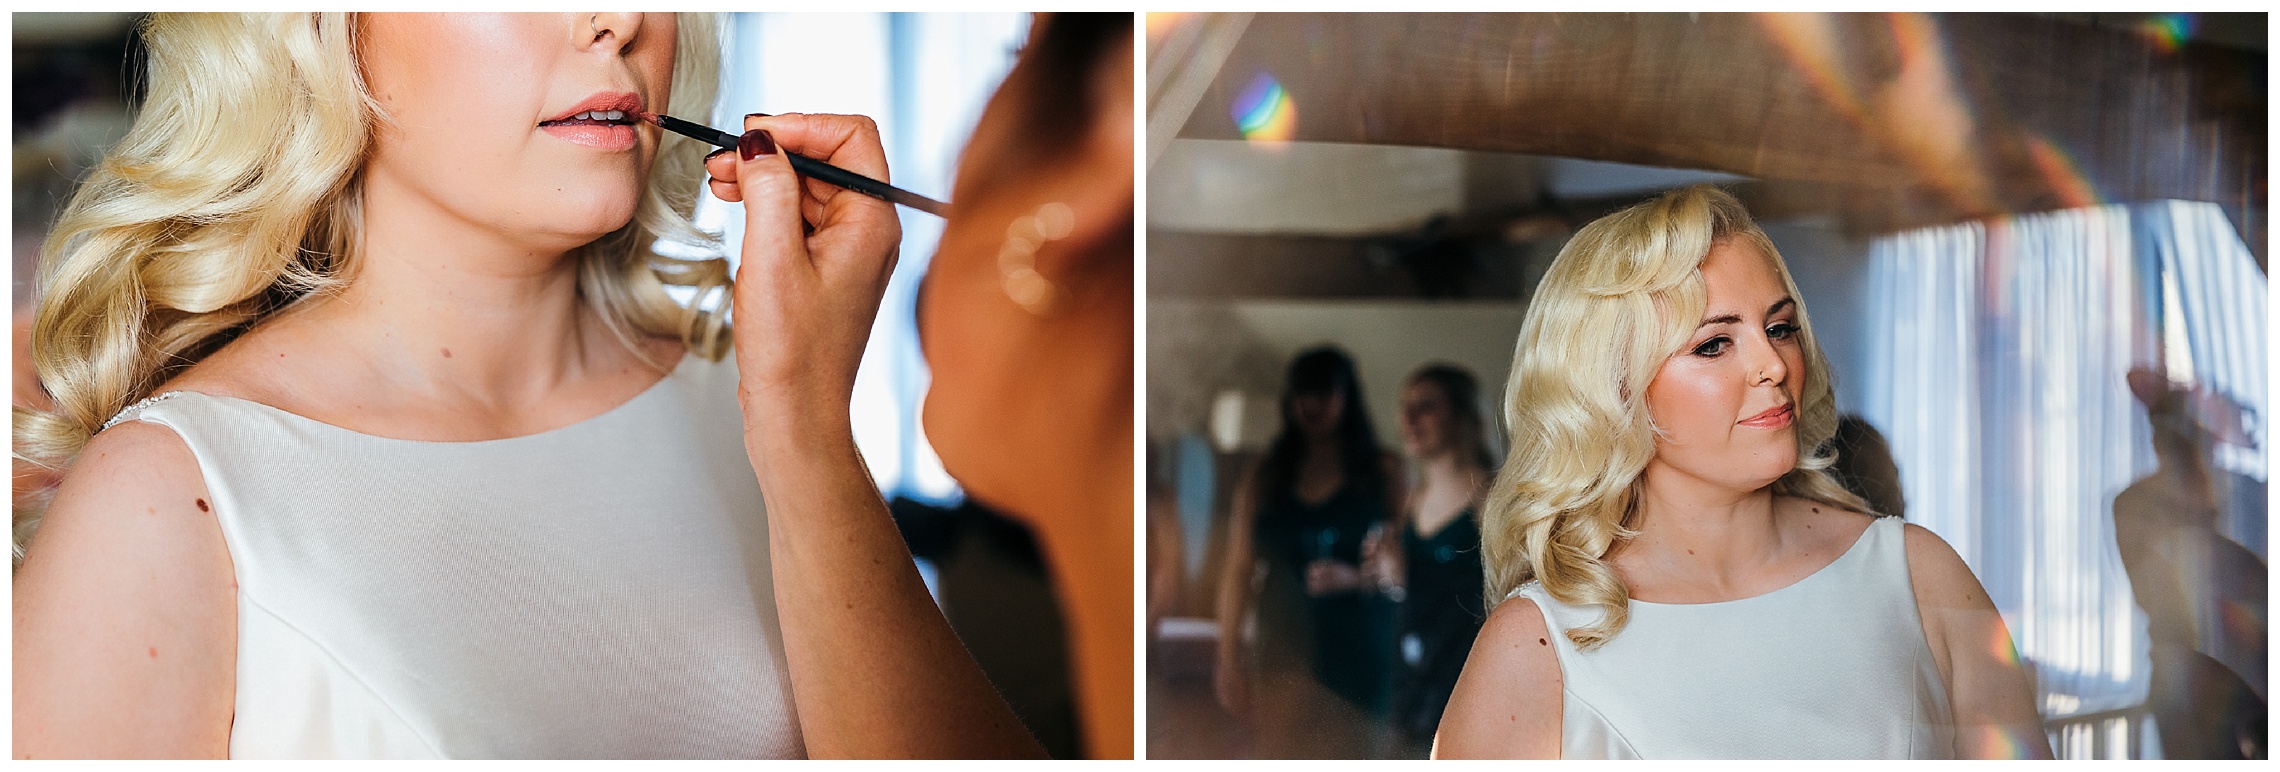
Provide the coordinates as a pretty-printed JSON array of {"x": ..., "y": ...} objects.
[
  {"x": 1426, "y": 420},
  {"x": 1317, "y": 414},
  {"x": 1726, "y": 402},
  {"x": 487, "y": 116}
]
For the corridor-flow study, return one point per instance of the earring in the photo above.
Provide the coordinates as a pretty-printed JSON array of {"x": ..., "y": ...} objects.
[
  {"x": 1017, "y": 257},
  {"x": 592, "y": 25}
]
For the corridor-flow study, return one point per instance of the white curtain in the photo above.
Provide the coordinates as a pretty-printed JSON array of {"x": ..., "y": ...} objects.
[
  {"x": 1997, "y": 373},
  {"x": 1998, "y": 379},
  {"x": 2211, "y": 309}
]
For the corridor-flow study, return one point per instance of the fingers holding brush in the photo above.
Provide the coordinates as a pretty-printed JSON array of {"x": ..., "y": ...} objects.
[
  {"x": 810, "y": 281},
  {"x": 720, "y": 175}
]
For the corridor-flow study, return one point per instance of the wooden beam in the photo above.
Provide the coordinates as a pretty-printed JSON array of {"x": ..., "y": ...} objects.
[{"x": 1892, "y": 120}]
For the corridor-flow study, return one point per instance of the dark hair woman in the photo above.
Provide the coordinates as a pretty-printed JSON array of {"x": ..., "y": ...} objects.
[{"x": 1315, "y": 513}]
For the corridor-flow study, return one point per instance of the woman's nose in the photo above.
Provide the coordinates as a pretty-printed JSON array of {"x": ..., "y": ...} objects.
[
  {"x": 1767, "y": 366},
  {"x": 609, "y": 29}
]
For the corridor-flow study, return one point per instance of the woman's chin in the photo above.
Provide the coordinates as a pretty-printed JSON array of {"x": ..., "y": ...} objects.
[{"x": 574, "y": 227}]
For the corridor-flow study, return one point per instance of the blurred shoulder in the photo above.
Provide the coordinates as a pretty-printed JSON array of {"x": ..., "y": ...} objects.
[{"x": 1940, "y": 576}]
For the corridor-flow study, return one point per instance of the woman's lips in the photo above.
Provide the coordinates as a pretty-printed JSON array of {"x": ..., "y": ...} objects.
[
  {"x": 585, "y": 123},
  {"x": 1772, "y": 419},
  {"x": 600, "y": 136}
]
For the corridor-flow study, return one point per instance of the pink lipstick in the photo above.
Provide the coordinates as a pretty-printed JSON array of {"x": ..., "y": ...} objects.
[
  {"x": 603, "y": 121},
  {"x": 1773, "y": 418}
]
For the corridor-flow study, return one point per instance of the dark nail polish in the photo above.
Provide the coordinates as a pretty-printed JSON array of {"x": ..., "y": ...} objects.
[
  {"x": 714, "y": 154},
  {"x": 750, "y": 116},
  {"x": 755, "y": 143}
]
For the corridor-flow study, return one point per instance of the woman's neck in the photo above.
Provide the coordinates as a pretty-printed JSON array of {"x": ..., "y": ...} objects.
[
  {"x": 1711, "y": 534},
  {"x": 1449, "y": 485},
  {"x": 449, "y": 308}
]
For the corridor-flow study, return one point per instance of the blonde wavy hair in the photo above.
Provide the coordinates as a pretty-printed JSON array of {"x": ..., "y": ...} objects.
[
  {"x": 237, "y": 192},
  {"x": 1623, "y": 296}
]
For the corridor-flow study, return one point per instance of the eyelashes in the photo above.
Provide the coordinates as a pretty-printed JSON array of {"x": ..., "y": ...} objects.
[{"x": 1716, "y": 346}]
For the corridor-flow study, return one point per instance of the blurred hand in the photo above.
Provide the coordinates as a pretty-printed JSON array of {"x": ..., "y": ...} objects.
[
  {"x": 1381, "y": 560},
  {"x": 1330, "y": 577},
  {"x": 815, "y": 264}
]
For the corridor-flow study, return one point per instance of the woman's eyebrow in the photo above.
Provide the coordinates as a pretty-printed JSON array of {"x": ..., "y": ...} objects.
[{"x": 1733, "y": 318}]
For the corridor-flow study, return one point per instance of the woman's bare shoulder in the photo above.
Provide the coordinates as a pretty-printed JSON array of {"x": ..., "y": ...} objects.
[
  {"x": 126, "y": 597},
  {"x": 135, "y": 467},
  {"x": 1940, "y": 577},
  {"x": 1507, "y": 701},
  {"x": 1516, "y": 635}
]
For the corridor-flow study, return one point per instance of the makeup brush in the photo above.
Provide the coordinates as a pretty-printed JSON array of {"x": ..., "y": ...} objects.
[{"x": 810, "y": 167}]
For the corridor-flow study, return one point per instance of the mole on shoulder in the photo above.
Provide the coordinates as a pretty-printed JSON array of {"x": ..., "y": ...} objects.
[
  {"x": 202, "y": 506},
  {"x": 1816, "y": 510},
  {"x": 1542, "y": 642},
  {"x": 447, "y": 353}
]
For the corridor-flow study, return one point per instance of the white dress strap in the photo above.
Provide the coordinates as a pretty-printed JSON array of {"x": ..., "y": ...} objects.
[{"x": 131, "y": 411}]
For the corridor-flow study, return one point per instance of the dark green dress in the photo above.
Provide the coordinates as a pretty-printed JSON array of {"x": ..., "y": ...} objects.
[
  {"x": 1439, "y": 620},
  {"x": 1346, "y": 639}
]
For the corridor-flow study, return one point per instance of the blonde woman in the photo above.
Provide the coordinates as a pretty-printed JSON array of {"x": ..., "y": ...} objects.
[
  {"x": 384, "y": 440},
  {"x": 1445, "y": 428},
  {"x": 1679, "y": 577}
]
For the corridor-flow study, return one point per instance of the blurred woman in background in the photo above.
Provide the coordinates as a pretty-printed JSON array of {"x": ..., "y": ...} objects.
[
  {"x": 1444, "y": 428},
  {"x": 1316, "y": 516}
]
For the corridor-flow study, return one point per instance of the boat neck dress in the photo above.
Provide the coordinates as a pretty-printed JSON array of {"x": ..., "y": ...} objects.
[
  {"x": 601, "y": 590},
  {"x": 1833, "y": 666}
]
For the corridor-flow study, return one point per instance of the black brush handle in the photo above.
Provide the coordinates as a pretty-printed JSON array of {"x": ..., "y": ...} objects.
[{"x": 812, "y": 168}]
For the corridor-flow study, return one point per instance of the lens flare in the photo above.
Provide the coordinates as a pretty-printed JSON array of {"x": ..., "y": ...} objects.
[
  {"x": 2168, "y": 31},
  {"x": 2000, "y": 646},
  {"x": 2001, "y": 745},
  {"x": 1916, "y": 110},
  {"x": 1264, "y": 112}
]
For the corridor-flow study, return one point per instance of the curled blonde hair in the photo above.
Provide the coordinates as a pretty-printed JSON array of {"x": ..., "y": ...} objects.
[
  {"x": 238, "y": 192},
  {"x": 1621, "y": 297}
]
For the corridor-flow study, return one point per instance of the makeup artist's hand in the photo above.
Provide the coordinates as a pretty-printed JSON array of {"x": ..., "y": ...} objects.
[
  {"x": 875, "y": 670},
  {"x": 816, "y": 260}
]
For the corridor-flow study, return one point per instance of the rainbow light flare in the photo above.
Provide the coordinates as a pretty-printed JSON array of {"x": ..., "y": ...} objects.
[
  {"x": 2001, "y": 745},
  {"x": 2168, "y": 31},
  {"x": 1264, "y": 112},
  {"x": 2001, "y": 647}
]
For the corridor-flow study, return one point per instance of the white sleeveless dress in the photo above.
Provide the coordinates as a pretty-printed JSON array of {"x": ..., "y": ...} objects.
[
  {"x": 1833, "y": 666},
  {"x": 596, "y": 591}
]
